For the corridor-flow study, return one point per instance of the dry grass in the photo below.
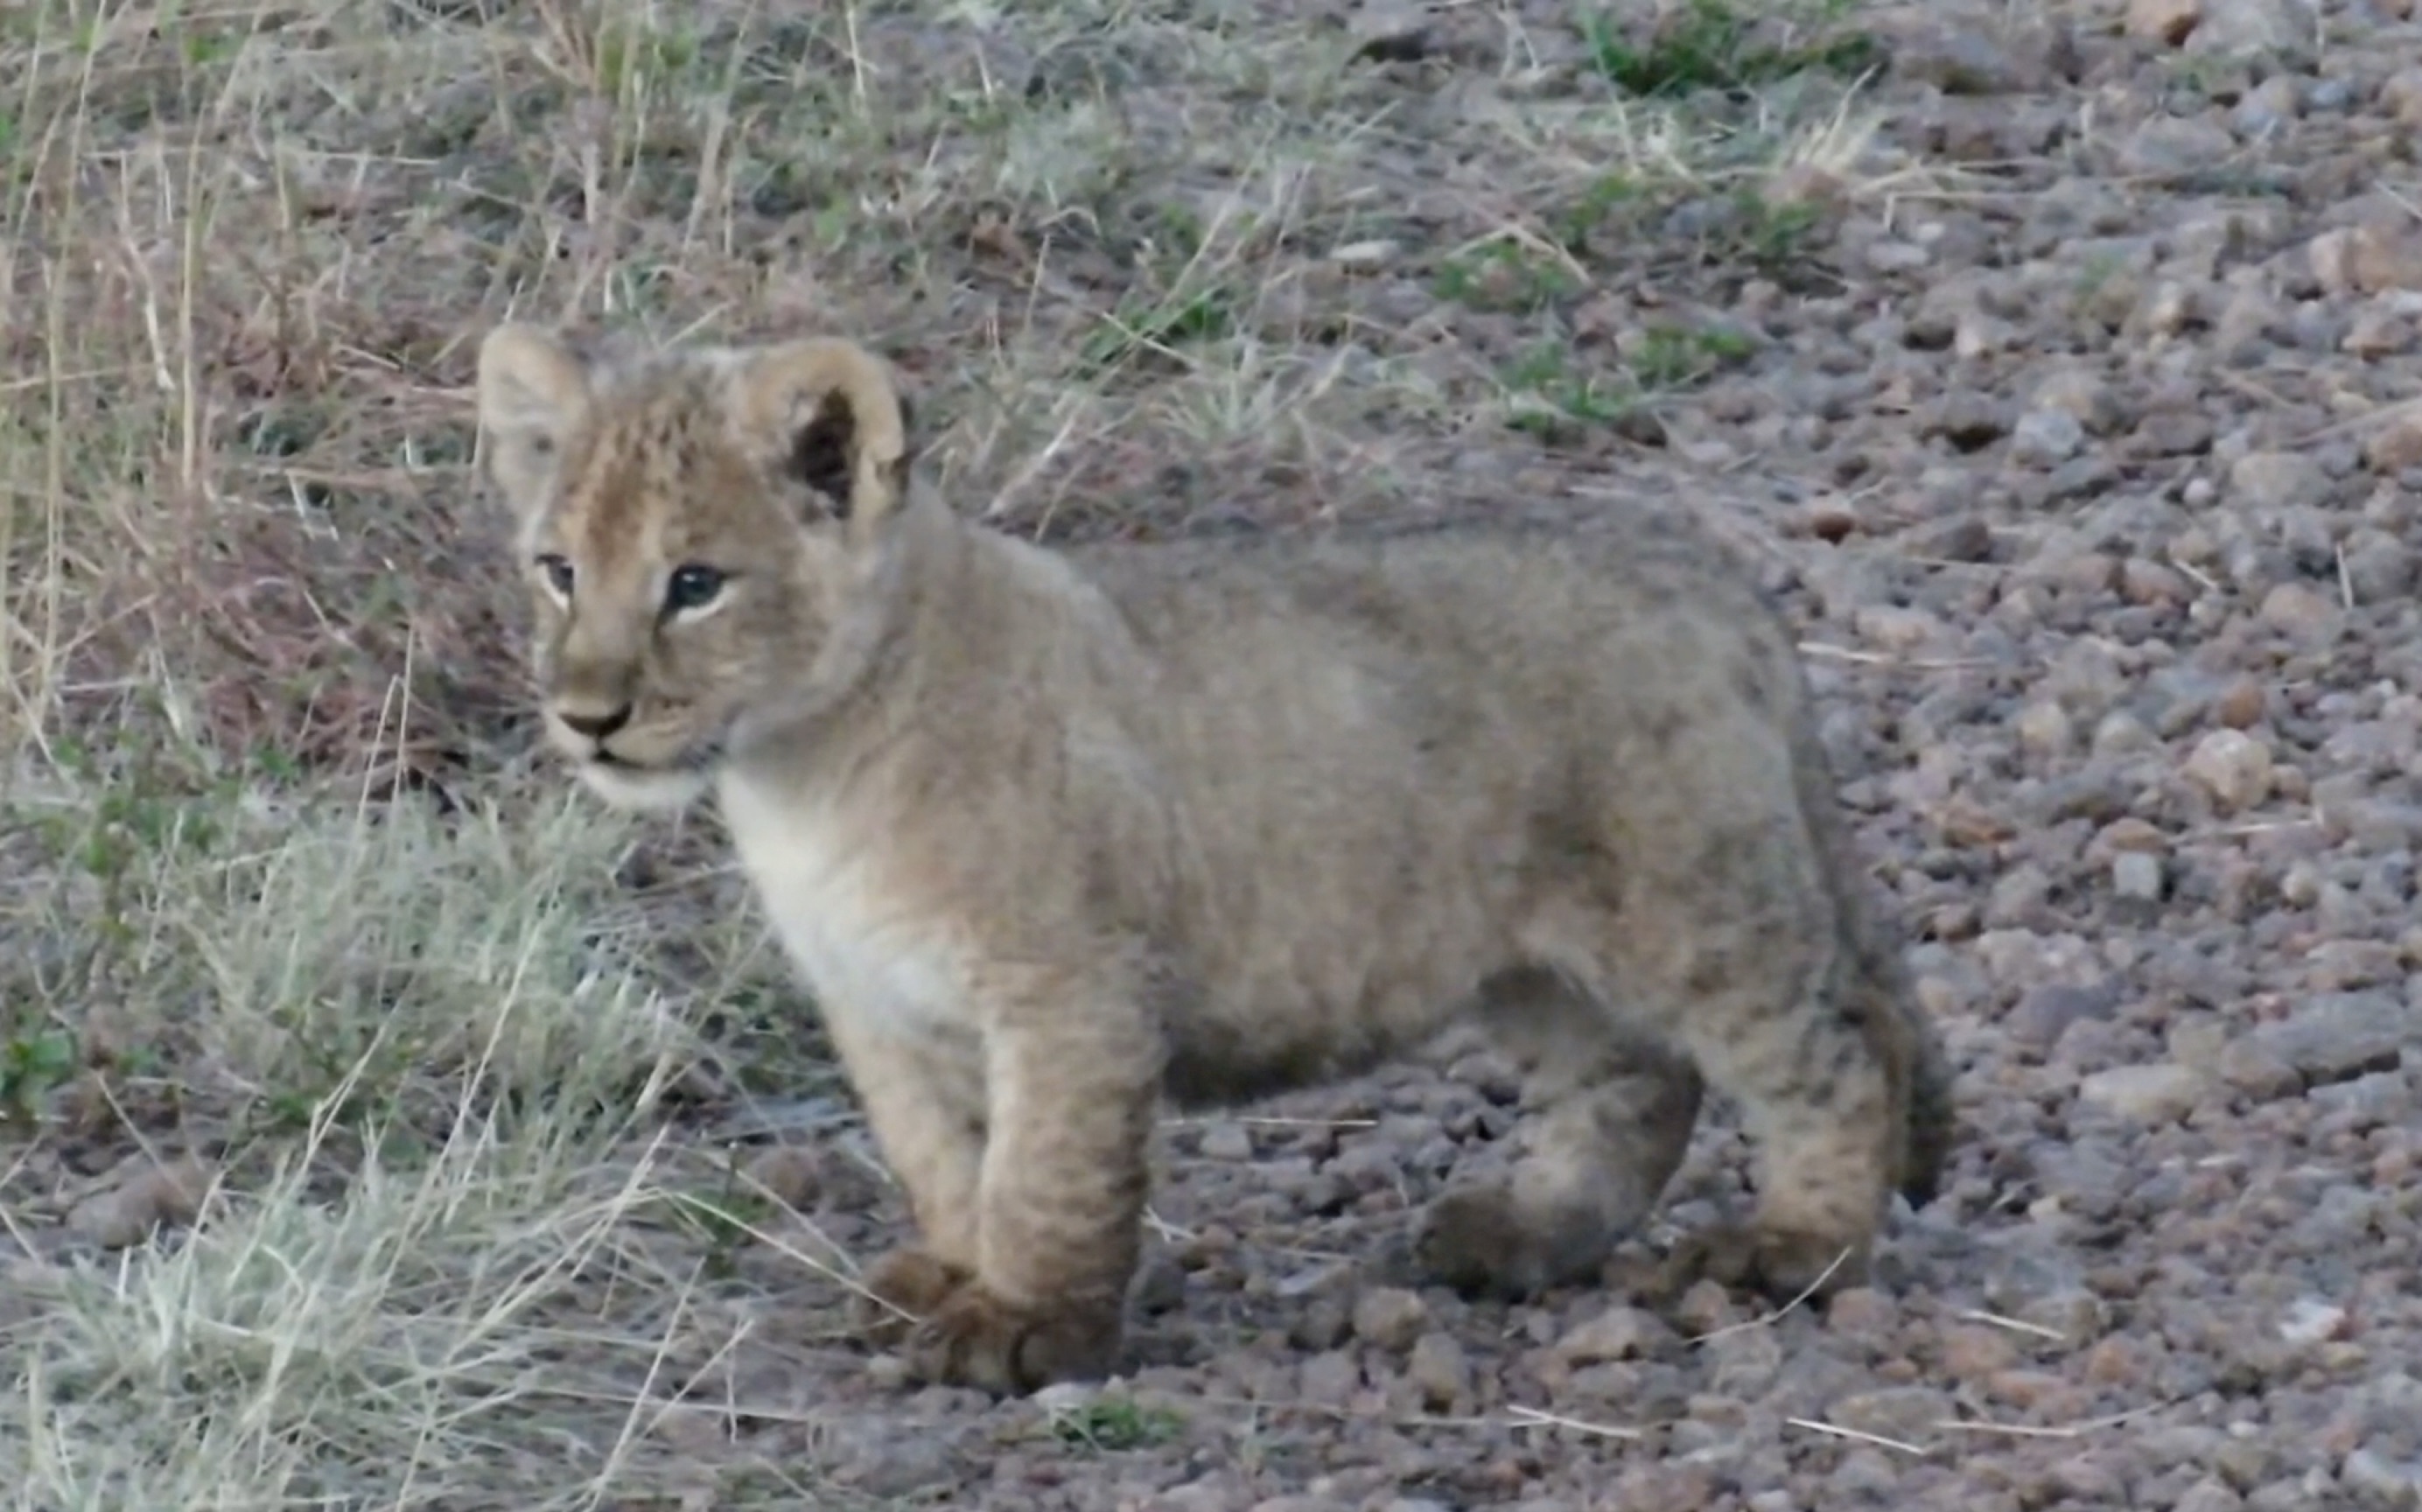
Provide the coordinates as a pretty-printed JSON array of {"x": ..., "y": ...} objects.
[{"x": 278, "y": 887}]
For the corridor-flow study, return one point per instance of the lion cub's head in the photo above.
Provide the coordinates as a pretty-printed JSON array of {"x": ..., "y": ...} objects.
[{"x": 707, "y": 539}]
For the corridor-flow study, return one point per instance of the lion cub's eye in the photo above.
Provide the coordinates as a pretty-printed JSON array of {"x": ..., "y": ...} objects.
[
  {"x": 558, "y": 573},
  {"x": 693, "y": 587}
]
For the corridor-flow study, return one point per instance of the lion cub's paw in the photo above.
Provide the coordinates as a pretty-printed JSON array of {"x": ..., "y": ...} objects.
[
  {"x": 904, "y": 1287},
  {"x": 1783, "y": 1264},
  {"x": 1474, "y": 1238},
  {"x": 976, "y": 1339}
]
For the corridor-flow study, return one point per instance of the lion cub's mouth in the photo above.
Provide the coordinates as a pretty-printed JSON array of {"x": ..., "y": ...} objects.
[{"x": 680, "y": 764}]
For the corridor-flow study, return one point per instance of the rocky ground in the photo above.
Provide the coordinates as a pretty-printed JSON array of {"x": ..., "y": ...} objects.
[{"x": 2061, "y": 371}]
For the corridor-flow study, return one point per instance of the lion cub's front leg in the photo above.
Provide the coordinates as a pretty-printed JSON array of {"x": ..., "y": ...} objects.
[
  {"x": 926, "y": 1109},
  {"x": 1072, "y": 1079}
]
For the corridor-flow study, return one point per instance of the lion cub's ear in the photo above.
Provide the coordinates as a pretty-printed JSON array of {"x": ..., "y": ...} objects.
[
  {"x": 825, "y": 414},
  {"x": 533, "y": 393}
]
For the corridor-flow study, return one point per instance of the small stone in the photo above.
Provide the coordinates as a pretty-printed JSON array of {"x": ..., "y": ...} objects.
[
  {"x": 1391, "y": 31},
  {"x": 2329, "y": 257},
  {"x": 1227, "y": 1141},
  {"x": 1972, "y": 1353},
  {"x": 2384, "y": 257},
  {"x": 2170, "y": 145},
  {"x": 2396, "y": 444},
  {"x": 2210, "y": 1495},
  {"x": 2122, "y": 733},
  {"x": 2159, "y": 1094},
  {"x": 2168, "y": 308},
  {"x": 2150, "y": 582},
  {"x": 1969, "y": 421},
  {"x": 1617, "y": 1334},
  {"x": 2046, "y": 728},
  {"x": 2166, "y": 21},
  {"x": 2402, "y": 97},
  {"x": 1441, "y": 1370},
  {"x": 1159, "y": 1285},
  {"x": 1390, "y": 1317},
  {"x": 886, "y": 1460},
  {"x": 2341, "y": 1035},
  {"x": 2234, "y": 767},
  {"x": 2240, "y": 705},
  {"x": 2300, "y": 612},
  {"x": 2266, "y": 108},
  {"x": 2043, "y": 1014},
  {"x": 2045, "y": 437},
  {"x": 1704, "y": 1308},
  {"x": 2173, "y": 433},
  {"x": 2137, "y": 875},
  {"x": 2381, "y": 1481},
  {"x": 2374, "y": 334},
  {"x": 792, "y": 1174},
  {"x": 2380, "y": 567},
  {"x": 1329, "y": 1380},
  {"x": 2278, "y": 481},
  {"x": 1363, "y": 256},
  {"x": 1863, "y": 1313},
  {"x": 2240, "y": 26},
  {"x": 1904, "y": 1412},
  {"x": 1896, "y": 628},
  {"x": 2309, "y": 1320},
  {"x": 2083, "y": 396}
]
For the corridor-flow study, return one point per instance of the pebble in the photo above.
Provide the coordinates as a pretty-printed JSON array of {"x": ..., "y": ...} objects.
[
  {"x": 2396, "y": 444},
  {"x": 2166, "y": 21},
  {"x": 2238, "y": 27},
  {"x": 1390, "y": 1317},
  {"x": 2169, "y": 145},
  {"x": 1226, "y": 1140},
  {"x": 2335, "y": 1036},
  {"x": 1617, "y": 1334},
  {"x": 2278, "y": 481},
  {"x": 2146, "y": 1093},
  {"x": 2137, "y": 875},
  {"x": 2302, "y": 613},
  {"x": 2045, "y": 437},
  {"x": 1439, "y": 1370},
  {"x": 2234, "y": 767}
]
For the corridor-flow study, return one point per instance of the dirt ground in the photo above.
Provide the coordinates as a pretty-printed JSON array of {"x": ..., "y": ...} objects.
[{"x": 388, "y": 1127}]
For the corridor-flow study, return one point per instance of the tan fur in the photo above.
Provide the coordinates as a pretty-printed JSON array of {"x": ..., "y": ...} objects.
[{"x": 1053, "y": 835}]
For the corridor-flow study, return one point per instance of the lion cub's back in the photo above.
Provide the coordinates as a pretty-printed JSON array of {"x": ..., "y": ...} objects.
[{"x": 1472, "y": 632}]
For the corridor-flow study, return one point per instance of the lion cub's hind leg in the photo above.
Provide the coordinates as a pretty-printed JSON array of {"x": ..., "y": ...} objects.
[
  {"x": 1607, "y": 1116},
  {"x": 1734, "y": 934}
]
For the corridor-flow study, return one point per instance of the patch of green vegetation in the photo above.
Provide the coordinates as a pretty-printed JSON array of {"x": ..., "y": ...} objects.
[
  {"x": 1711, "y": 46},
  {"x": 724, "y": 1222},
  {"x": 1107, "y": 1424},
  {"x": 34, "y": 1063},
  {"x": 1774, "y": 236},
  {"x": 1505, "y": 275},
  {"x": 634, "y": 56},
  {"x": 1141, "y": 326},
  {"x": 1553, "y": 392},
  {"x": 1673, "y": 357}
]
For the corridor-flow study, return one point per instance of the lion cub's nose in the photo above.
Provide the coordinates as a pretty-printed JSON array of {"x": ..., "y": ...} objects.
[{"x": 596, "y": 726}]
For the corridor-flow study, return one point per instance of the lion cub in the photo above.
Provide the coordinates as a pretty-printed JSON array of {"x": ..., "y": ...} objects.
[{"x": 1053, "y": 835}]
